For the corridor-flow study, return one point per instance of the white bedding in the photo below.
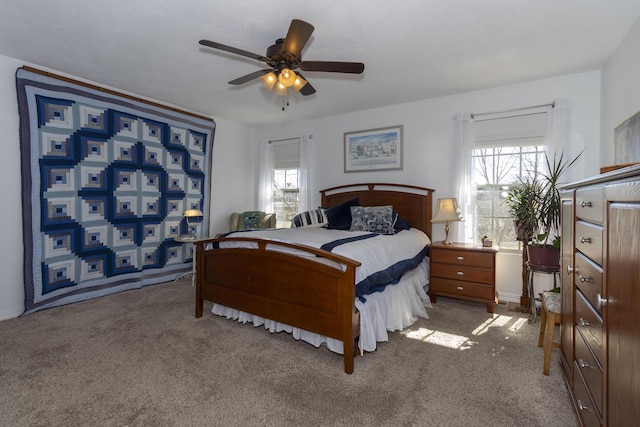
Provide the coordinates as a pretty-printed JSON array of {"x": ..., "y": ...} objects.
[
  {"x": 395, "y": 308},
  {"x": 381, "y": 256}
]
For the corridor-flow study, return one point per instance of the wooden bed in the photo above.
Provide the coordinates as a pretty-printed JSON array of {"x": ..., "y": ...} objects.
[{"x": 315, "y": 293}]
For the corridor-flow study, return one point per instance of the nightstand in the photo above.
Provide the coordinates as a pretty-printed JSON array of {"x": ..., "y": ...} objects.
[
  {"x": 464, "y": 271},
  {"x": 186, "y": 239}
]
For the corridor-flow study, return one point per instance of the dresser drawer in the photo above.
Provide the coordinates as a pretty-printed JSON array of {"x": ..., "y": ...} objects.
[
  {"x": 586, "y": 408},
  {"x": 591, "y": 371},
  {"x": 590, "y": 204},
  {"x": 590, "y": 324},
  {"x": 459, "y": 288},
  {"x": 466, "y": 258},
  {"x": 588, "y": 278},
  {"x": 589, "y": 240},
  {"x": 462, "y": 272}
]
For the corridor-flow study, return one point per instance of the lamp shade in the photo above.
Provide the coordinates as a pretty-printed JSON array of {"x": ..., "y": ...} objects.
[
  {"x": 191, "y": 213},
  {"x": 287, "y": 77},
  {"x": 447, "y": 210},
  {"x": 269, "y": 80},
  {"x": 299, "y": 83}
]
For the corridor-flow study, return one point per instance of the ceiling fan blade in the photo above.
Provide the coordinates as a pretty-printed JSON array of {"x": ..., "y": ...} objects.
[
  {"x": 232, "y": 49},
  {"x": 297, "y": 36},
  {"x": 333, "y": 66},
  {"x": 307, "y": 89},
  {"x": 249, "y": 77}
]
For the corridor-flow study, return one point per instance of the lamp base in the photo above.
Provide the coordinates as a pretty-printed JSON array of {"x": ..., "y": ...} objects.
[{"x": 446, "y": 242}]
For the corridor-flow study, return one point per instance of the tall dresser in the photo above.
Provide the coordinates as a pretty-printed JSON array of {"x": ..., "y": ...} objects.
[{"x": 600, "y": 321}]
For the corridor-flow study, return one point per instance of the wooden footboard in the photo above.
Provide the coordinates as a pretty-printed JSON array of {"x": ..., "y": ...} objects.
[{"x": 315, "y": 292}]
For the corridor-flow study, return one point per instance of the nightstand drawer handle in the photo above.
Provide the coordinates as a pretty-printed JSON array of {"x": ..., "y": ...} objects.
[
  {"x": 584, "y": 278},
  {"x": 460, "y": 273},
  {"x": 460, "y": 258},
  {"x": 586, "y": 204},
  {"x": 584, "y": 322},
  {"x": 460, "y": 288},
  {"x": 585, "y": 240}
]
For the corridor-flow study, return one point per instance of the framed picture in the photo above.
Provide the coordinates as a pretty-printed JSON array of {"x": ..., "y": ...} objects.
[
  {"x": 627, "y": 141},
  {"x": 373, "y": 149}
]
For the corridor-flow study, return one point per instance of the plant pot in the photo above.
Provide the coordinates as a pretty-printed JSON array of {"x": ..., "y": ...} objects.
[{"x": 544, "y": 257}]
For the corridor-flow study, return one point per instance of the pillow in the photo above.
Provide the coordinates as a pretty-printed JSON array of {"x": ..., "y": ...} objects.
[
  {"x": 375, "y": 219},
  {"x": 339, "y": 216},
  {"x": 310, "y": 219},
  {"x": 251, "y": 220},
  {"x": 400, "y": 223}
]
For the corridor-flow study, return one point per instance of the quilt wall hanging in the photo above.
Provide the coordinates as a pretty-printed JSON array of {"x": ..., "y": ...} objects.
[{"x": 106, "y": 178}]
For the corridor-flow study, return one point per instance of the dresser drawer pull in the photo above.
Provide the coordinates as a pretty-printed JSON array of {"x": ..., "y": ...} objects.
[
  {"x": 584, "y": 279},
  {"x": 586, "y": 204},
  {"x": 582, "y": 406},
  {"x": 585, "y": 240},
  {"x": 570, "y": 269},
  {"x": 460, "y": 288},
  {"x": 460, "y": 258},
  {"x": 460, "y": 273},
  {"x": 601, "y": 301},
  {"x": 584, "y": 322},
  {"x": 584, "y": 364}
]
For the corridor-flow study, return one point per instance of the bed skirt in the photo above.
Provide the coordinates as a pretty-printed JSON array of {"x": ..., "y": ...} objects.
[{"x": 395, "y": 308}]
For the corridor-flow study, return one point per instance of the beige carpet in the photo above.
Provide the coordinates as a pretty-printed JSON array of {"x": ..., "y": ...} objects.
[{"x": 141, "y": 358}]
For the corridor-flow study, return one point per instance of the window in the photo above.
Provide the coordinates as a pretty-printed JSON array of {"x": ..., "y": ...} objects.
[
  {"x": 505, "y": 149},
  {"x": 496, "y": 171},
  {"x": 286, "y": 195}
]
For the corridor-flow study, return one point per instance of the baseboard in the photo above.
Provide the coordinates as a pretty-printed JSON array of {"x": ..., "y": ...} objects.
[
  {"x": 504, "y": 297},
  {"x": 9, "y": 314}
]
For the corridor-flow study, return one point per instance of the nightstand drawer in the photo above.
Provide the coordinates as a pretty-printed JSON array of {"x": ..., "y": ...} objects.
[
  {"x": 463, "y": 273},
  {"x": 457, "y": 287},
  {"x": 466, "y": 258}
]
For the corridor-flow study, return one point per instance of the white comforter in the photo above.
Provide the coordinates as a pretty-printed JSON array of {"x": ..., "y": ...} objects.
[
  {"x": 382, "y": 258},
  {"x": 397, "y": 307}
]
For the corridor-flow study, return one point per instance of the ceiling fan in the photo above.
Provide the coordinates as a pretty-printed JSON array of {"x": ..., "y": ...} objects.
[{"x": 284, "y": 58}]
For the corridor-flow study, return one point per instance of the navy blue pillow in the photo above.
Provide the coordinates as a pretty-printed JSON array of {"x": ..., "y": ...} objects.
[
  {"x": 401, "y": 223},
  {"x": 340, "y": 216}
]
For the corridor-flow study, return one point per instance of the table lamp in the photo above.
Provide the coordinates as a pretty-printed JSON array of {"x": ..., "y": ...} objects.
[
  {"x": 447, "y": 211},
  {"x": 191, "y": 213}
]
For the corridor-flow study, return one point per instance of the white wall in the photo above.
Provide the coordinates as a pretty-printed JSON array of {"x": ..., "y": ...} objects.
[
  {"x": 620, "y": 90},
  {"x": 232, "y": 185},
  {"x": 429, "y": 154}
]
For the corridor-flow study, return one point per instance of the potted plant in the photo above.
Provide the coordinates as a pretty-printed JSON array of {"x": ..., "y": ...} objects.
[
  {"x": 522, "y": 203},
  {"x": 537, "y": 203}
]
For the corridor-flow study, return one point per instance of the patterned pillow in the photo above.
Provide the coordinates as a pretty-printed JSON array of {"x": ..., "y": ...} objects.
[
  {"x": 251, "y": 220},
  {"x": 311, "y": 219},
  {"x": 375, "y": 219}
]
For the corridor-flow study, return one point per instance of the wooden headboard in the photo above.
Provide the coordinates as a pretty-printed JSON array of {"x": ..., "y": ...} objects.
[{"x": 411, "y": 202}]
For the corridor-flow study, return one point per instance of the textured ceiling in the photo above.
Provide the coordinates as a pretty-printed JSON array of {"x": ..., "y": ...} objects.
[{"x": 412, "y": 49}]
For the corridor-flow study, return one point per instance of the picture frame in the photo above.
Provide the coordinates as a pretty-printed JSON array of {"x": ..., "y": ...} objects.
[
  {"x": 373, "y": 149},
  {"x": 627, "y": 141}
]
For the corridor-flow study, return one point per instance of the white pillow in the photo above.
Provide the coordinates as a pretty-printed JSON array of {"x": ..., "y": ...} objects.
[{"x": 311, "y": 219}]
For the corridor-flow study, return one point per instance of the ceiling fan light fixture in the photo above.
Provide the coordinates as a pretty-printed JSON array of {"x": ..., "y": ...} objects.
[
  {"x": 299, "y": 83},
  {"x": 269, "y": 80},
  {"x": 287, "y": 77},
  {"x": 280, "y": 89}
]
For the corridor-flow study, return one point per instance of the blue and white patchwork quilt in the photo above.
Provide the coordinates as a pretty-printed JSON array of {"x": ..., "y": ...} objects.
[{"x": 105, "y": 182}]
